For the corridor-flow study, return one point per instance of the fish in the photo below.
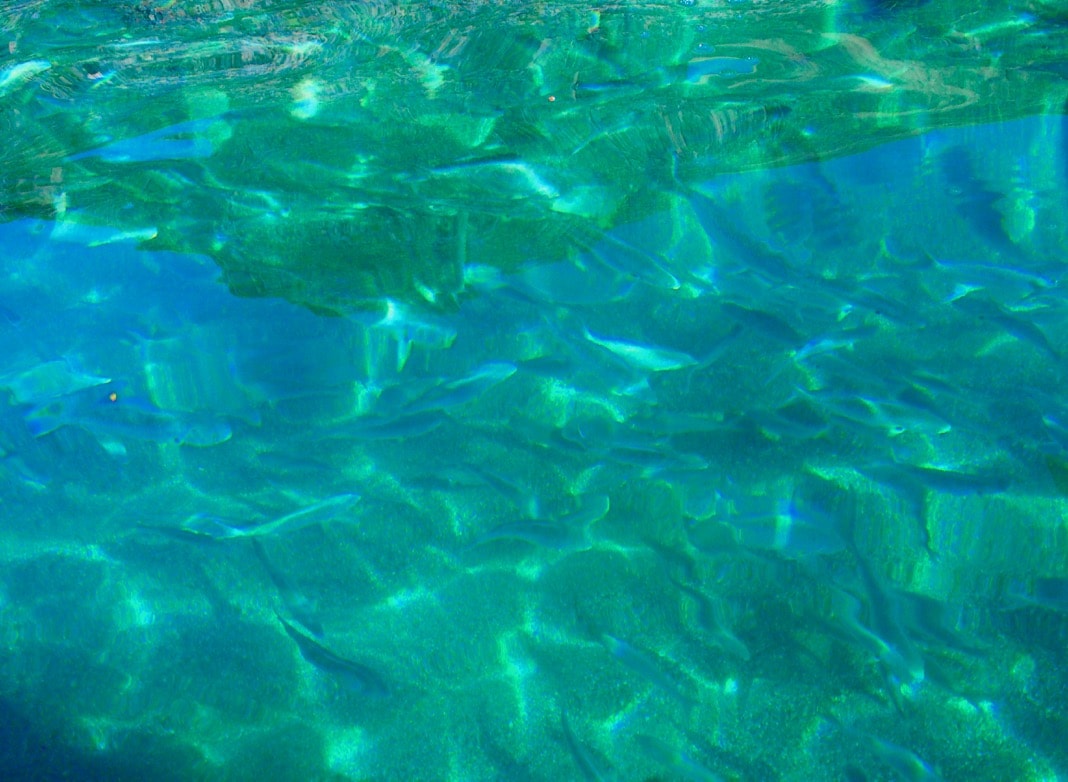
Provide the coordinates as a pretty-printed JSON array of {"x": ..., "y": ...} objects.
[
  {"x": 647, "y": 358},
  {"x": 521, "y": 496},
  {"x": 677, "y": 760},
  {"x": 116, "y": 416},
  {"x": 713, "y": 621},
  {"x": 883, "y": 632},
  {"x": 900, "y": 665},
  {"x": 842, "y": 339},
  {"x": 200, "y": 527},
  {"x": 458, "y": 392},
  {"x": 906, "y": 764},
  {"x": 700, "y": 70},
  {"x": 593, "y": 768},
  {"x": 547, "y": 534},
  {"x": 407, "y": 327},
  {"x": 944, "y": 480},
  {"x": 860, "y": 412},
  {"x": 1048, "y": 592},
  {"x": 788, "y": 527},
  {"x": 1018, "y": 326},
  {"x": 9, "y": 318},
  {"x": 218, "y": 528},
  {"x": 622, "y": 256},
  {"x": 391, "y": 428},
  {"x": 354, "y": 676},
  {"x": 299, "y": 606},
  {"x": 317, "y": 513},
  {"x": 184, "y": 141},
  {"x": 569, "y": 283},
  {"x": 14, "y": 76},
  {"x": 771, "y": 326},
  {"x": 975, "y": 202},
  {"x": 570, "y": 532},
  {"x": 505, "y": 177},
  {"x": 1004, "y": 283},
  {"x": 741, "y": 765},
  {"x": 48, "y": 380},
  {"x": 649, "y": 667},
  {"x": 89, "y": 235}
]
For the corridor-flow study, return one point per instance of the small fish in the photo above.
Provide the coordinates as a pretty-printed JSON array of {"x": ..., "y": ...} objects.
[
  {"x": 647, "y": 358},
  {"x": 712, "y": 619},
  {"x": 9, "y": 317},
  {"x": 408, "y": 328},
  {"x": 523, "y": 497},
  {"x": 49, "y": 380},
  {"x": 463, "y": 390},
  {"x": 701, "y": 69},
  {"x": 127, "y": 417},
  {"x": 593, "y": 768},
  {"x": 1050, "y": 592},
  {"x": 198, "y": 528},
  {"x": 184, "y": 141},
  {"x": 568, "y": 283},
  {"x": 547, "y": 534},
  {"x": 217, "y": 528},
  {"x": 1016, "y": 325},
  {"x": 296, "y": 602},
  {"x": 1005, "y": 283},
  {"x": 621, "y": 255},
  {"x": 975, "y": 201},
  {"x": 12, "y": 77},
  {"x": 570, "y": 532},
  {"x": 845, "y": 339},
  {"x": 906, "y": 764},
  {"x": 355, "y": 676},
  {"x": 505, "y": 177},
  {"x": 789, "y": 528},
  {"x": 75, "y": 232},
  {"x": 317, "y": 513},
  {"x": 771, "y": 326},
  {"x": 677, "y": 760},
  {"x": 645, "y": 666},
  {"x": 944, "y": 480},
  {"x": 883, "y": 631},
  {"x": 392, "y": 428}
]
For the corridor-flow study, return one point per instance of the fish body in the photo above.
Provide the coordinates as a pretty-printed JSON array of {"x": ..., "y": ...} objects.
[
  {"x": 771, "y": 326},
  {"x": 646, "y": 667},
  {"x": 462, "y": 390},
  {"x": 547, "y": 534},
  {"x": 12, "y": 77},
  {"x": 355, "y": 676},
  {"x": 49, "y": 380},
  {"x": 592, "y": 768},
  {"x": 713, "y": 620},
  {"x": 217, "y": 528},
  {"x": 570, "y": 532},
  {"x": 184, "y": 141},
  {"x": 676, "y": 760},
  {"x": 647, "y": 358},
  {"x": 123, "y": 417},
  {"x": 299, "y": 606},
  {"x": 317, "y": 513}
]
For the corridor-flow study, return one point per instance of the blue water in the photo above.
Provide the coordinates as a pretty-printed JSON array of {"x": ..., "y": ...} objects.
[{"x": 766, "y": 483}]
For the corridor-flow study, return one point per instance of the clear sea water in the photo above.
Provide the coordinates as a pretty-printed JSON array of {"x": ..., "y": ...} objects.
[{"x": 473, "y": 391}]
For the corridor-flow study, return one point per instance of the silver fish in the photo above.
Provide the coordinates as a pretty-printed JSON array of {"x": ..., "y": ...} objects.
[{"x": 353, "y": 675}]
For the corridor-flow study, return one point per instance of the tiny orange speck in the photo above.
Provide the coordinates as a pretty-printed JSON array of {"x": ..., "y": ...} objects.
[
  {"x": 552, "y": 99},
  {"x": 113, "y": 397}
]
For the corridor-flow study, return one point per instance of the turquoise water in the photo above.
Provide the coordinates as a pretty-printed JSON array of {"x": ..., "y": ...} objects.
[{"x": 346, "y": 437}]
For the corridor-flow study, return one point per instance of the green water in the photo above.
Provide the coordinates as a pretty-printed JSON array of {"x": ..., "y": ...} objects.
[{"x": 428, "y": 391}]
